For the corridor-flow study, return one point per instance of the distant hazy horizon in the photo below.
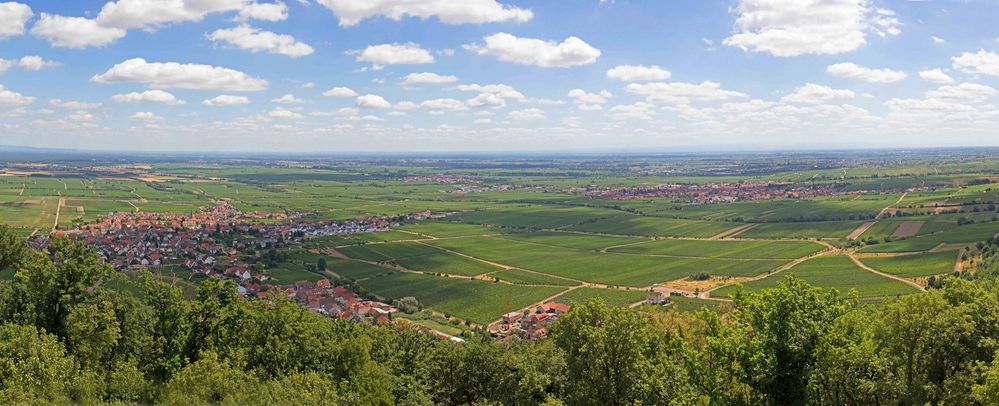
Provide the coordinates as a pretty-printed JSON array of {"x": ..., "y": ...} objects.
[{"x": 616, "y": 76}]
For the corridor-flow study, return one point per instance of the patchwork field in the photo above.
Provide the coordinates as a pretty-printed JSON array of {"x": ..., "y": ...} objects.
[
  {"x": 830, "y": 272},
  {"x": 615, "y": 298},
  {"x": 418, "y": 257},
  {"x": 914, "y": 266},
  {"x": 960, "y": 235},
  {"x": 478, "y": 301},
  {"x": 724, "y": 249}
]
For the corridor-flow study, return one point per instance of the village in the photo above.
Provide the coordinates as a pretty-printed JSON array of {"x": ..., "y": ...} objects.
[
  {"x": 706, "y": 193},
  {"x": 214, "y": 242}
]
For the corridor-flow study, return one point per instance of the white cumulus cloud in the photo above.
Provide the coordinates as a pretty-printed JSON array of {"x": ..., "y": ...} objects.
[
  {"x": 936, "y": 76},
  {"x": 352, "y": 12},
  {"x": 257, "y": 40},
  {"x": 527, "y": 114},
  {"x": 152, "y": 96},
  {"x": 13, "y": 16},
  {"x": 428, "y": 77},
  {"x": 682, "y": 93},
  {"x": 982, "y": 62},
  {"x": 852, "y": 70},
  {"x": 226, "y": 100},
  {"x": 74, "y": 32},
  {"x": 529, "y": 51},
  {"x": 372, "y": 101},
  {"x": 794, "y": 27},
  {"x": 178, "y": 75},
  {"x": 637, "y": 73},
  {"x": 394, "y": 54},
  {"x": 340, "y": 92},
  {"x": 813, "y": 94},
  {"x": 11, "y": 98}
]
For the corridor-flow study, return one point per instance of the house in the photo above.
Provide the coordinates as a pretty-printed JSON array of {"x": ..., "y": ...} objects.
[
  {"x": 656, "y": 299},
  {"x": 554, "y": 308}
]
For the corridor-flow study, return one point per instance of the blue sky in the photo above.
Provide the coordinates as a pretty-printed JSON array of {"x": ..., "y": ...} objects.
[{"x": 497, "y": 75}]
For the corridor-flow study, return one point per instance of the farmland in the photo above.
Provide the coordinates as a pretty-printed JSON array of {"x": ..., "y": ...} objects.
[
  {"x": 831, "y": 272},
  {"x": 533, "y": 227},
  {"x": 914, "y": 266}
]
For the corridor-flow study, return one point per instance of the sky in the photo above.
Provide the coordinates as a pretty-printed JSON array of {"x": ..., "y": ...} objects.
[{"x": 498, "y": 75}]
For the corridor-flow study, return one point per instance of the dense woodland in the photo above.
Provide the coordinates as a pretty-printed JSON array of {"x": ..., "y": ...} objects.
[{"x": 65, "y": 338}]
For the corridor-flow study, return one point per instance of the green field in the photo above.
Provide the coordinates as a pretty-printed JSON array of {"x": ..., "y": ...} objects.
[
  {"x": 478, "y": 301},
  {"x": 349, "y": 269},
  {"x": 612, "y": 269},
  {"x": 816, "y": 229},
  {"x": 724, "y": 249},
  {"x": 830, "y": 272},
  {"x": 419, "y": 257},
  {"x": 522, "y": 277},
  {"x": 961, "y": 235},
  {"x": 914, "y": 266},
  {"x": 612, "y": 297}
]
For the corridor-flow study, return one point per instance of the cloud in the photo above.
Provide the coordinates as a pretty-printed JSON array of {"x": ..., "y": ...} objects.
[
  {"x": 153, "y": 96},
  {"x": 427, "y": 77},
  {"x": 441, "y": 105},
  {"x": 792, "y": 27},
  {"x": 936, "y": 76},
  {"x": 340, "y": 92},
  {"x": 981, "y": 62},
  {"x": 256, "y": 40},
  {"x": 501, "y": 90},
  {"x": 178, "y": 75},
  {"x": 29, "y": 63},
  {"x": 13, "y": 16},
  {"x": 962, "y": 93},
  {"x": 938, "y": 40},
  {"x": 73, "y": 104},
  {"x": 146, "y": 14},
  {"x": 528, "y": 51},
  {"x": 74, "y": 32},
  {"x": 282, "y": 112},
  {"x": 589, "y": 101},
  {"x": 637, "y": 111},
  {"x": 226, "y": 100},
  {"x": 852, "y": 70},
  {"x": 145, "y": 116},
  {"x": 487, "y": 100},
  {"x": 637, "y": 73},
  {"x": 11, "y": 98},
  {"x": 352, "y": 12},
  {"x": 372, "y": 101},
  {"x": 35, "y": 63},
  {"x": 682, "y": 93},
  {"x": 394, "y": 54},
  {"x": 813, "y": 94},
  {"x": 289, "y": 99},
  {"x": 264, "y": 11},
  {"x": 527, "y": 114}
]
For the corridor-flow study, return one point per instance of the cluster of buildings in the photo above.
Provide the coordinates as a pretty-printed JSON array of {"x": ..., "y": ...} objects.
[
  {"x": 534, "y": 325},
  {"x": 335, "y": 301},
  {"x": 443, "y": 179},
  {"x": 210, "y": 241},
  {"x": 714, "y": 192}
]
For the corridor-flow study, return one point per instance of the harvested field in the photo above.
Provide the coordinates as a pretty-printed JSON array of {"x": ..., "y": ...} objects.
[{"x": 908, "y": 229}]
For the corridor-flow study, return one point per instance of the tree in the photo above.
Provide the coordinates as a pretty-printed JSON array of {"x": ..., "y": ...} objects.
[
  {"x": 613, "y": 357},
  {"x": 12, "y": 247},
  {"x": 321, "y": 264},
  {"x": 45, "y": 289},
  {"x": 35, "y": 367},
  {"x": 782, "y": 328},
  {"x": 408, "y": 305}
]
